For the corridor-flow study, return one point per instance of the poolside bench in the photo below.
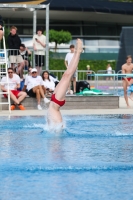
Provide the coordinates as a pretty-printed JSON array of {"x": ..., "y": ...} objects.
[{"x": 76, "y": 102}]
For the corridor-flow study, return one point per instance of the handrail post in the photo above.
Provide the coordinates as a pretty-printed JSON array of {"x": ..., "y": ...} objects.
[
  {"x": 34, "y": 32},
  {"x": 47, "y": 38}
]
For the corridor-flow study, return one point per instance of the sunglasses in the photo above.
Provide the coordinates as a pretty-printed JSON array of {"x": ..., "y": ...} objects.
[
  {"x": 10, "y": 72},
  {"x": 33, "y": 72}
]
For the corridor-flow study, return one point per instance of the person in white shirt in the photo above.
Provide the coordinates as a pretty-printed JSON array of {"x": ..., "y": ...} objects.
[
  {"x": 68, "y": 59},
  {"x": 14, "y": 84},
  {"x": 34, "y": 86},
  {"x": 48, "y": 82},
  {"x": 39, "y": 43},
  {"x": 109, "y": 71},
  {"x": 54, "y": 79}
]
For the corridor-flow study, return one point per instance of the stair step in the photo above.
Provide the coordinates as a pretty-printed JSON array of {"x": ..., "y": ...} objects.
[{"x": 75, "y": 102}]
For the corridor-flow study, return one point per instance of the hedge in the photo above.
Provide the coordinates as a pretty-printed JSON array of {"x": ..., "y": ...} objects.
[{"x": 95, "y": 65}]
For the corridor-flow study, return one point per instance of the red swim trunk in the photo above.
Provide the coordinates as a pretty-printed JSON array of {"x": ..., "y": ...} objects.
[
  {"x": 127, "y": 78},
  {"x": 15, "y": 92},
  {"x": 60, "y": 103}
]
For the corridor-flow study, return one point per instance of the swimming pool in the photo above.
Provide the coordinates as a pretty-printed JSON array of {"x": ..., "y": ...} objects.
[
  {"x": 120, "y": 92},
  {"x": 91, "y": 160}
]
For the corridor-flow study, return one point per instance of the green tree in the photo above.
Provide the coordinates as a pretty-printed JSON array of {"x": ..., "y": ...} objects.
[{"x": 59, "y": 37}]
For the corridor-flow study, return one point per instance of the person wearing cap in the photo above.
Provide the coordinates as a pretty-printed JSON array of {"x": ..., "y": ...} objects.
[
  {"x": 1, "y": 28},
  {"x": 35, "y": 88},
  {"x": 14, "y": 85},
  {"x": 39, "y": 43}
]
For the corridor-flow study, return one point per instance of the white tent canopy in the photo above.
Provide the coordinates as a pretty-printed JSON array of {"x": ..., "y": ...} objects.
[{"x": 33, "y": 8}]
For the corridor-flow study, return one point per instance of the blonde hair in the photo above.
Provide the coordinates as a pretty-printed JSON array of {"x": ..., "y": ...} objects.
[{"x": 88, "y": 66}]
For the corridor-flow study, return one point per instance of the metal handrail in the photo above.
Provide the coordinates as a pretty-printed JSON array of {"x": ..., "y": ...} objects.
[{"x": 6, "y": 66}]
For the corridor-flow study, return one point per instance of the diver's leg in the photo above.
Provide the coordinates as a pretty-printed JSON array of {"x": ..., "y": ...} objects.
[{"x": 63, "y": 85}]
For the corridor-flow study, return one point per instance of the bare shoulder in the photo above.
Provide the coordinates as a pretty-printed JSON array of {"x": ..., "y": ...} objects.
[{"x": 124, "y": 66}]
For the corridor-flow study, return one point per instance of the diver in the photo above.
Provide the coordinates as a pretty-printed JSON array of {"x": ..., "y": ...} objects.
[{"x": 54, "y": 117}]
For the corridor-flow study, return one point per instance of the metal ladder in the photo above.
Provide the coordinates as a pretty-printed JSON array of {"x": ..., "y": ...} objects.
[{"x": 3, "y": 71}]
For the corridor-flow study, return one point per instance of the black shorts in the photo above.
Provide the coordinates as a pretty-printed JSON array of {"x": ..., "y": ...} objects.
[
  {"x": 39, "y": 60},
  {"x": 31, "y": 93}
]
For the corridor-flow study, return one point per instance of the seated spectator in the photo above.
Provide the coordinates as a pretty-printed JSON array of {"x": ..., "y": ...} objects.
[
  {"x": 25, "y": 53},
  {"x": 1, "y": 28},
  {"x": 14, "y": 43},
  {"x": 29, "y": 72},
  {"x": 14, "y": 84},
  {"x": 54, "y": 79},
  {"x": 88, "y": 72},
  {"x": 47, "y": 82},
  {"x": 35, "y": 88}
]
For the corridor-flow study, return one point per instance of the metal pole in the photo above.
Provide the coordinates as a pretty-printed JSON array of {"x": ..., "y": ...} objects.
[
  {"x": 47, "y": 38},
  {"x": 34, "y": 32}
]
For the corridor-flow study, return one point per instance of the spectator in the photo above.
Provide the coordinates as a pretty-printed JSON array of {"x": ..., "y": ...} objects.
[
  {"x": 48, "y": 83},
  {"x": 54, "y": 79},
  {"x": 21, "y": 82},
  {"x": 14, "y": 84},
  {"x": 127, "y": 69},
  {"x": 14, "y": 43},
  {"x": 39, "y": 43},
  {"x": 88, "y": 72},
  {"x": 109, "y": 71},
  {"x": 35, "y": 88},
  {"x": 25, "y": 53},
  {"x": 68, "y": 59},
  {"x": 1, "y": 28},
  {"x": 29, "y": 72}
]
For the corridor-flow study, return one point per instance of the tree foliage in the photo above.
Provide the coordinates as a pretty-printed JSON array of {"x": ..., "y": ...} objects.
[
  {"x": 58, "y": 64},
  {"x": 59, "y": 37}
]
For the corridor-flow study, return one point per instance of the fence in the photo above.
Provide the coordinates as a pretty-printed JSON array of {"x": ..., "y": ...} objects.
[
  {"x": 105, "y": 81},
  {"x": 100, "y": 79},
  {"x": 30, "y": 58}
]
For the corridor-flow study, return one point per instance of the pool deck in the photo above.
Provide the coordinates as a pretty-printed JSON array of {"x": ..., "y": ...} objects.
[{"x": 121, "y": 110}]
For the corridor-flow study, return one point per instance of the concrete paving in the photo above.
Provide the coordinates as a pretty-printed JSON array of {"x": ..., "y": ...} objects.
[{"x": 121, "y": 110}]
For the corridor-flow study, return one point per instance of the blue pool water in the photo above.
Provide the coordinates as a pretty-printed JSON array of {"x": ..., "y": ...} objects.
[
  {"x": 91, "y": 160},
  {"x": 120, "y": 92}
]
